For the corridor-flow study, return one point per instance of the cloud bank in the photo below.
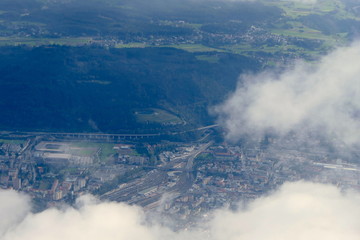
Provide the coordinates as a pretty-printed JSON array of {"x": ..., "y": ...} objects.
[
  {"x": 322, "y": 98},
  {"x": 294, "y": 1},
  {"x": 304, "y": 1},
  {"x": 297, "y": 211},
  {"x": 13, "y": 208}
]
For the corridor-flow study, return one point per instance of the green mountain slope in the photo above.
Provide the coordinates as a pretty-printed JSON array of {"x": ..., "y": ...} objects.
[{"x": 89, "y": 88}]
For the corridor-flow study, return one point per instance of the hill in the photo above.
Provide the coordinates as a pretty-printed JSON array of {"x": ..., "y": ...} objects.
[
  {"x": 96, "y": 89},
  {"x": 148, "y": 66}
]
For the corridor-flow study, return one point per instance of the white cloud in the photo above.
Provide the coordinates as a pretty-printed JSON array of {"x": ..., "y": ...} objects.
[
  {"x": 13, "y": 208},
  {"x": 323, "y": 98},
  {"x": 304, "y": 1},
  {"x": 92, "y": 220},
  {"x": 297, "y": 211},
  {"x": 295, "y": 1}
]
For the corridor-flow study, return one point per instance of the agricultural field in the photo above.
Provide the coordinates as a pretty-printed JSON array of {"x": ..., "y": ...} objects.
[
  {"x": 194, "y": 48},
  {"x": 127, "y": 56},
  {"x": 306, "y": 33},
  {"x": 246, "y": 49},
  {"x": 298, "y": 9},
  {"x": 131, "y": 45}
]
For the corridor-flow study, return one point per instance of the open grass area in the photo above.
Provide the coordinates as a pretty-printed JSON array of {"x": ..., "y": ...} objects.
[
  {"x": 208, "y": 58},
  {"x": 298, "y": 9},
  {"x": 12, "y": 141},
  {"x": 291, "y": 9},
  {"x": 45, "y": 185},
  {"x": 307, "y": 33},
  {"x": 194, "y": 48},
  {"x": 83, "y": 151},
  {"x": 301, "y": 31},
  {"x": 107, "y": 149},
  {"x": 302, "y": 34},
  {"x": 186, "y": 47},
  {"x": 240, "y": 48},
  {"x": 131, "y": 45},
  {"x": 154, "y": 115},
  {"x": 248, "y": 50},
  {"x": 193, "y": 25}
]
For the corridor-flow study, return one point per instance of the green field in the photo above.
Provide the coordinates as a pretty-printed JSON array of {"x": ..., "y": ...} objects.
[
  {"x": 297, "y": 9},
  {"x": 45, "y": 185},
  {"x": 246, "y": 49},
  {"x": 194, "y": 48},
  {"x": 154, "y": 115},
  {"x": 131, "y": 45},
  {"x": 12, "y": 141},
  {"x": 208, "y": 58},
  {"x": 307, "y": 33},
  {"x": 107, "y": 149},
  {"x": 299, "y": 30},
  {"x": 302, "y": 34},
  {"x": 83, "y": 151}
]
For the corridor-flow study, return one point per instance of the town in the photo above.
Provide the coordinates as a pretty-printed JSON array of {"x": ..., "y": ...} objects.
[{"x": 172, "y": 178}]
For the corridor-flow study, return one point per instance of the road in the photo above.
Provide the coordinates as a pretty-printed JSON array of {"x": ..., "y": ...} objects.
[
  {"x": 131, "y": 191},
  {"x": 191, "y": 158}
]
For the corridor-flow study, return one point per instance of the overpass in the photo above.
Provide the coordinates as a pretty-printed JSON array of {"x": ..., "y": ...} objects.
[
  {"x": 94, "y": 136},
  {"x": 110, "y": 136}
]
